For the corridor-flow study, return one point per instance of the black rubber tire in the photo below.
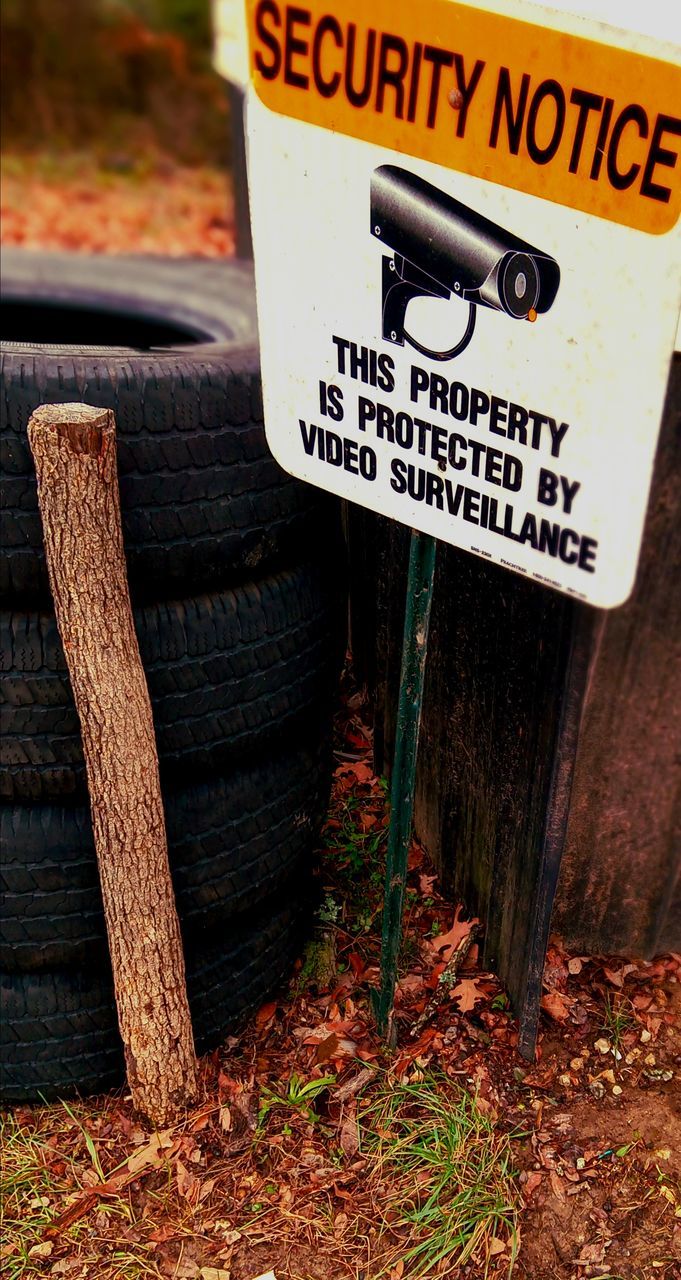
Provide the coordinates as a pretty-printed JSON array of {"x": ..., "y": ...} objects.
[
  {"x": 229, "y": 675},
  {"x": 59, "y": 1034},
  {"x": 231, "y": 841},
  {"x": 202, "y": 498},
  {"x": 206, "y": 302}
]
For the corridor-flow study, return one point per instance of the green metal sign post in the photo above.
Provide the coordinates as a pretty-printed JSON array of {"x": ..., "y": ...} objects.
[{"x": 414, "y": 651}]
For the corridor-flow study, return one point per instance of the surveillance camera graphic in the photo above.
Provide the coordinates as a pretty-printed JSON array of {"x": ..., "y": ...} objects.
[{"x": 441, "y": 247}]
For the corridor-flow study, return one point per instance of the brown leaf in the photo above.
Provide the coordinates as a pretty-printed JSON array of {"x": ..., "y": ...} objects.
[
  {"x": 227, "y": 1085},
  {"x": 534, "y": 1179},
  {"x": 327, "y": 1048},
  {"x": 641, "y": 1002},
  {"x": 41, "y": 1250},
  {"x": 446, "y": 943},
  {"x": 356, "y": 769},
  {"x": 556, "y": 1005},
  {"x": 591, "y": 1254},
  {"x": 202, "y": 1119},
  {"x": 349, "y": 1130},
  {"x": 367, "y": 821},
  {"x": 162, "y": 1234},
  {"x": 432, "y": 979},
  {"x": 357, "y": 734},
  {"x": 265, "y": 1013},
  {"x": 337, "y": 1027},
  {"x": 410, "y": 982},
  {"x": 182, "y": 1268},
  {"x": 154, "y": 1154},
  {"x": 188, "y": 1185},
  {"x": 543, "y": 1078},
  {"x": 415, "y": 1050},
  {"x": 467, "y": 994},
  {"x": 205, "y": 1188},
  {"x": 415, "y": 856}
]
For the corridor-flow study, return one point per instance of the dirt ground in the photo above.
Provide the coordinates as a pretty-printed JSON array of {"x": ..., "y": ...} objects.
[
  {"x": 618, "y": 1219},
  {"x": 569, "y": 1167},
  {"x": 117, "y": 203}
]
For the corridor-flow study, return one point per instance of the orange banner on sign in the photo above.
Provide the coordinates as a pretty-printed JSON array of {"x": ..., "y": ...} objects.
[{"x": 584, "y": 124}]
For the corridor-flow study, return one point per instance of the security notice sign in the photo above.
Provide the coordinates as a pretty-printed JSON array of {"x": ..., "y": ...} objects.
[{"x": 466, "y": 229}]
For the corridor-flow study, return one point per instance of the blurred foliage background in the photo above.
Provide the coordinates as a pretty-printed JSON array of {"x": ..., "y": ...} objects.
[{"x": 119, "y": 76}]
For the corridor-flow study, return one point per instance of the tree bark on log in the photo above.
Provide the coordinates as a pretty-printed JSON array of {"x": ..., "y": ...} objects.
[{"x": 74, "y": 449}]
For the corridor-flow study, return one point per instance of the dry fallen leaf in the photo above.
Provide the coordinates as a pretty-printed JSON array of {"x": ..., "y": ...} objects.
[
  {"x": 265, "y": 1013},
  {"x": 182, "y": 1268},
  {"x": 467, "y": 994},
  {"x": 349, "y": 1130},
  {"x": 41, "y": 1250},
  {"x": 367, "y": 821},
  {"x": 188, "y": 1184},
  {"x": 356, "y": 963},
  {"x": 155, "y": 1153},
  {"x": 328, "y": 1048},
  {"x": 410, "y": 982},
  {"x": 446, "y": 943},
  {"x": 534, "y": 1179},
  {"x": 556, "y": 1005},
  {"x": 317, "y": 1035},
  {"x": 591, "y": 1254},
  {"x": 228, "y": 1235},
  {"x": 357, "y": 770}
]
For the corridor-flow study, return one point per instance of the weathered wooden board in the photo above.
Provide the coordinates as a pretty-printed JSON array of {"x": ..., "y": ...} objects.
[
  {"x": 623, "y": 844},
  {"x": 547, "y": 725}
]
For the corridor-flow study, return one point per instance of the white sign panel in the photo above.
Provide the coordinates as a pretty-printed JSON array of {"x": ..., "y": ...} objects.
[{"x": 477, "y": 348}]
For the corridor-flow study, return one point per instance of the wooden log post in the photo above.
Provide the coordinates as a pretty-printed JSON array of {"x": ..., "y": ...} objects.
[{"x": 74, "y": 449}]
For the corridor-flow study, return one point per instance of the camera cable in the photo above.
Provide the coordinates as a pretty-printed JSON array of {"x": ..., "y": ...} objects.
[{"x": 454, "y": 351}]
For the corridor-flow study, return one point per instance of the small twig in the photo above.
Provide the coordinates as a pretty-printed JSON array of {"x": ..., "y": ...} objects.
[
  {"x": 445, "y": 981},
  {"x": 352, "y": 1087}
]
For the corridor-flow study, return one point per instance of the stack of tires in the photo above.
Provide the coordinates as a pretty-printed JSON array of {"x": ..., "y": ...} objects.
[{"x": 235, "y": 575}]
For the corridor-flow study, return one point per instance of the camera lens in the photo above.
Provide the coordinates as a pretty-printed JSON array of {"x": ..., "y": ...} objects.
[{"x": 518, "y": 284}]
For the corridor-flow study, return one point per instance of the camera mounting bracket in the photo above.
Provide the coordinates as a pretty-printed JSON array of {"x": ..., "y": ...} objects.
[{"x": 401, "y": 282}]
